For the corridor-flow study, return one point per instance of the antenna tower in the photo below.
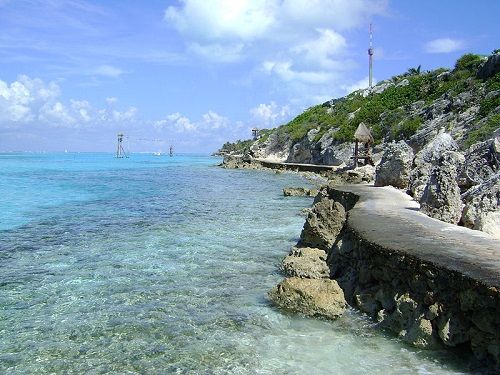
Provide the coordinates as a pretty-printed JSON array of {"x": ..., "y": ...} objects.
[
  {"x": 120, "y": 152},
  {"x": 370, "y": 59}
]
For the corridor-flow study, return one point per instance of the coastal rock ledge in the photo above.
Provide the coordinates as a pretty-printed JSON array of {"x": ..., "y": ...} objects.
[
  {"x": 312, "y": 297},
  {"x": 432, "y": 283}
]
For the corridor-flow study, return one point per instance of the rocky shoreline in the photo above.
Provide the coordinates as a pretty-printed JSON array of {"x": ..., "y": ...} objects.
[{"x": 428, "y": 299}]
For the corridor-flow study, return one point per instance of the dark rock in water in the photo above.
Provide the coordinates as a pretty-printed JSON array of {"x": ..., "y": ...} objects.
[
  {"x": 395, "y": 166},
  {"x": 299, "y": 192},
  {"x": 306, "y": 262},
  {"x": 312, "y": 297},
  {"x": 490, "y": 67},
  {"x": 482, "y": 207},
  {"x": 441, "y": 196},
  {"x": 323, "y": 224}
]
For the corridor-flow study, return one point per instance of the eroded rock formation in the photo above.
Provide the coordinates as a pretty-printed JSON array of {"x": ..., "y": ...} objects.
[{"x": 395, "y": 166}]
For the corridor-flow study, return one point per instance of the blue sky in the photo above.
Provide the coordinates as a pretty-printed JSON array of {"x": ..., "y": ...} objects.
[{"x": 196, "y": 73}]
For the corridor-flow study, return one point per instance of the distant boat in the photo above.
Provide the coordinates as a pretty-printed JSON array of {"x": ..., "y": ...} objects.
[{"x": 157, "y": 153}]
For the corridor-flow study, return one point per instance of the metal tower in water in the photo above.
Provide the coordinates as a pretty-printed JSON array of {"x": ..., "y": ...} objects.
[
  {"x": 120, "y": 152},
  {"x": 370, "y": 59}
]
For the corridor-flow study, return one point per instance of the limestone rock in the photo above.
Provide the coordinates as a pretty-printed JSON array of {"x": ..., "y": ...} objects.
[
  {"x": 306, "y": 150},
  {"x": 323, "y": 224},
  {"x": 395, "y": 166},
  {"x": 482, "y": 161},
  {"x": 433, "y": 151},
  {"x": 312, "y": 297},
  {"x": 359, "y": 175},
  {"x": 306, "y": 262},
  {"x": 334, "y": 152},
  {"x": 275, "y": 148},
  {"x": 453, "y": 329},
  {"x": 490, "y": 67},
  {"x": 421, "y": 335},
  {"x": 299, "y": 192},
  {"x": 482, "y": 204},
  {"x": 424, "y": 161},
  {"x": 441, "y": 197}
]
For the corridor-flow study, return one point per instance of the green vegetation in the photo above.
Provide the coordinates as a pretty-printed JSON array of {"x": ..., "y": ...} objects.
[
  {"x": 484, "y": 132},
  {"x": 469, "y": 62},
  {"x": 238, "y": 146},
  {"x": 388, "y": 113},
  {"x": 407, "y": 128}
]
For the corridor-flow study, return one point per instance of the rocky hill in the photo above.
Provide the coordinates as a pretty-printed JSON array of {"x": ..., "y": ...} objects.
[{"x": 437, "y": 136}]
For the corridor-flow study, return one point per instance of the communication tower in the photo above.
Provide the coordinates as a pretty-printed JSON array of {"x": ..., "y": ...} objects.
[{"x": 370, "y": 59}]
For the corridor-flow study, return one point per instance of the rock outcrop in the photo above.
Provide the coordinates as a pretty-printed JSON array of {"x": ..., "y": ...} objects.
[
  {"x": 482, "y": 204},
  {"x": 425, "y": 159},
  {"x": 299, "y": 192},
  {"x": 324, "y": 222},
  {"x": 441, "y": 197},
  {"x": 428, "y": 298},
  {"x": 482, "y": 161},
  {"x": 306, "y": 262},
  {"x": 395, "y": 166},
  {"x": 312, "y": 297},
  {"x": 490, "y": 67}
]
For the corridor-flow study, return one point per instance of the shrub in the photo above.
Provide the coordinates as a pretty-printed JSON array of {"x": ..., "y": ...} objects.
[
  {"x": 469, "y": 62},
  {"x": 407, "y": 128},
  {"x": 484, "y": 132}
]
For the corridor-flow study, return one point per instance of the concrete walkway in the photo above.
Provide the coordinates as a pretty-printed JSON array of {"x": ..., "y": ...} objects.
[
  {"x": 295, "y": 166},
  {"x": 390, "y": 219}
]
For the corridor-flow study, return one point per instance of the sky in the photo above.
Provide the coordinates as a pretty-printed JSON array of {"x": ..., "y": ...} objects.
[{"x": 197, "y": 73}]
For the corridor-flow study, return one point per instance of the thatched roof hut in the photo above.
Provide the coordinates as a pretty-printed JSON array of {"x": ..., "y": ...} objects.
[{"x": 363, "y": 134}]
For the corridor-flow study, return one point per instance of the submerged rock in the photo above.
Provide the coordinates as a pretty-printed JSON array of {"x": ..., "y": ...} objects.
[
  {"x": 312, "y": 297},
  {"x": 395, "y": 166},
  {"x": 307, "y": 263}
]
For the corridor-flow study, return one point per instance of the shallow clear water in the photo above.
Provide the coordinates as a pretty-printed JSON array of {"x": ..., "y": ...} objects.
[{"x": 161, "y": 265}]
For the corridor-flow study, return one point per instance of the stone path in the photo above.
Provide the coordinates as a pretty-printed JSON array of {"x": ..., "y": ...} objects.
[{"x": 390, "y": 219}]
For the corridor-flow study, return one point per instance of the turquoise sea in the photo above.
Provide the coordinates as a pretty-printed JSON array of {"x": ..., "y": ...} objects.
[{"x": 158, "y": 265}]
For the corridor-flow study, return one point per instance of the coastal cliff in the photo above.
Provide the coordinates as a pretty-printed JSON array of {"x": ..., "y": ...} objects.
[
  {"x": 437, "y": 137},
  {"x": 407, "y": 250}
]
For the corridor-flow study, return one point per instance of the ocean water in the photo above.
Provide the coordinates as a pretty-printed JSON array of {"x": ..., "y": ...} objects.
[{"x": 158, "y": 265}]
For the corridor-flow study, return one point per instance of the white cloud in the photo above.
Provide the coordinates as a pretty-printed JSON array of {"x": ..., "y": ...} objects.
[
  {"x": 321, "y": 49},
  {"x": 32, "y": 102},
  {"x": 56, "y": 114},
  {"x": 108, "y": 71},
  {"x": 213, "y": 120},
  {"x": 285, "y": 70},
  {"x": 222, "y": 19},
  {"x": 249, "y": 20},
  {"x": 179, "y": 123},
  {"x": 270, "y": 115},
  {"x": 302, "y": 43},
  {"x": 175, "y": 122},
  {"x": 22, "y": 98},
  {"x": 444, "y": 45}
]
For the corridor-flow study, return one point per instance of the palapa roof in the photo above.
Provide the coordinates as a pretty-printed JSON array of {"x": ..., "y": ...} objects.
[{"x": 363, "y": 134}]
